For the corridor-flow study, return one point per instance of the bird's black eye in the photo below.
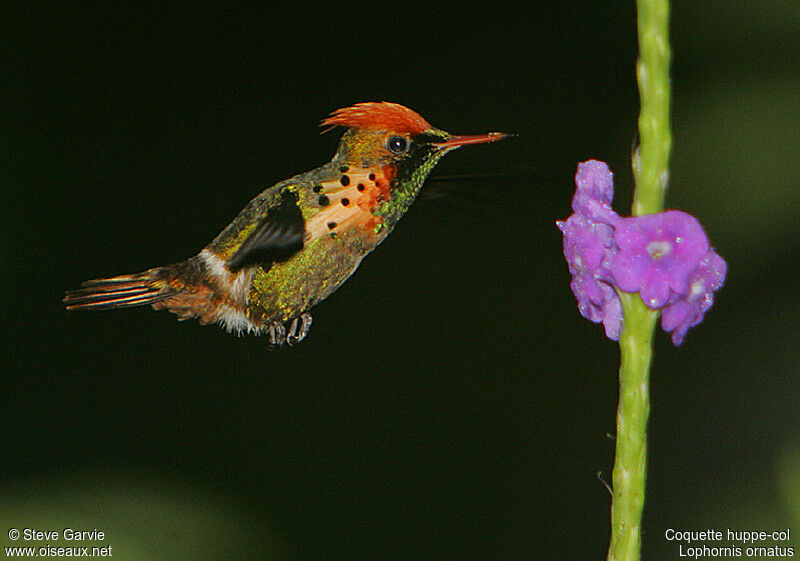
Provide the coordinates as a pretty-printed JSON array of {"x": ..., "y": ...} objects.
[{"x": 397, "y": 144}]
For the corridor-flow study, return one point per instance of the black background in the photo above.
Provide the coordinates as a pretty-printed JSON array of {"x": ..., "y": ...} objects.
[{"x": 449, "y": 402}]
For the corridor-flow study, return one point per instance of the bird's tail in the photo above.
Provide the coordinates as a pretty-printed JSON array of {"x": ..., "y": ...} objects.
[
  {"x": 125, "y": 291},
  {"x": 180, "y": 288}
]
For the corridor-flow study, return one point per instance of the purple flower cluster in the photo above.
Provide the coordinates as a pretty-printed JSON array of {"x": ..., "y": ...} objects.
[{"x": 664, "y": 257}]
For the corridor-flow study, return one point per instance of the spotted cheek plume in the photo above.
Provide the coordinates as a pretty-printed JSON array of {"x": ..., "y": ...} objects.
[{"x": 350, "y": 202}]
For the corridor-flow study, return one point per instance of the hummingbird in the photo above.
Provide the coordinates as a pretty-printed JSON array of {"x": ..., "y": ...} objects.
[{"x": 296, "y": 242}]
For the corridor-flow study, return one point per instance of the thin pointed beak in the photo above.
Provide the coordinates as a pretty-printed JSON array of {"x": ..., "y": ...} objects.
[{"x": 458, "y": 141}]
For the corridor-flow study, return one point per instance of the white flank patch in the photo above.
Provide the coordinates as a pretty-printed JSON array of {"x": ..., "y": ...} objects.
[
  {"x": 237, "y": 286},
  {"x": 235, "y": 321}
]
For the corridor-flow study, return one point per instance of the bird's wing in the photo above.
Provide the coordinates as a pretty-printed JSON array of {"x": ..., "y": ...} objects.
[{"x": 278, "y": 236}]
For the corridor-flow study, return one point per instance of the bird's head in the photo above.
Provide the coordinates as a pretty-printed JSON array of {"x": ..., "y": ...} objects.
[{"x": 383, "y": 134}]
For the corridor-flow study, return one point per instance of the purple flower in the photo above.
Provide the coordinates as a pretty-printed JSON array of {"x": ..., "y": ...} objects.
[
  {"x": 599, "y": 302},
  {"x": 664, "y": 257},
  {"x": 594, "y": 192},
  {"x": 588, "y": 247},
  {"x": 657, "y": 255},
  {"x": 684, "y": 313},
  {"x": 585, "y": 244}
]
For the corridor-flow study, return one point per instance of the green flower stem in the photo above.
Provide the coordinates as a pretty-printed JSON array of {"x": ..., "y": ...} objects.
[
  {"x": 652, "y": 72},
  {"x": 650, "y": 167},
  {"x": 630, "y": 464}
]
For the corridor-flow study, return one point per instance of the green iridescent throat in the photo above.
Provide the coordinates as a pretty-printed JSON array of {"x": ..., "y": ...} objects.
[{"x": 411, "y": 174}]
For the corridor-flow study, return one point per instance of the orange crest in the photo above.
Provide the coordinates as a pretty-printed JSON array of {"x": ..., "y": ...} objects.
[{"x": 379, "y": 116}]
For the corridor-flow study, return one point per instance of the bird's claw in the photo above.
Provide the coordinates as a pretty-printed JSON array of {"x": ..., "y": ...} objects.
[
  {"x": 276, "y": 335},
  {"x": 289, "y": 333},
  {"x": 298, "y": 329}
]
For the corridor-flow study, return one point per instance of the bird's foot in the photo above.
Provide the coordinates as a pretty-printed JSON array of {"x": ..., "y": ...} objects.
[
  {"x": 276, "y": 335},
  {"x": 298, "y": 329},
  {"x": 289, "y": 333}
]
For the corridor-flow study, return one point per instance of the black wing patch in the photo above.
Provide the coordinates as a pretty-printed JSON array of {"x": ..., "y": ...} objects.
[{"x": 277, "y": 237}]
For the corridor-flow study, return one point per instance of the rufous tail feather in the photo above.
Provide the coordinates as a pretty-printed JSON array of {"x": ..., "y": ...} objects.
[
  {"x": 180, "y": 288},
  {"x": 125, "y": 291}
]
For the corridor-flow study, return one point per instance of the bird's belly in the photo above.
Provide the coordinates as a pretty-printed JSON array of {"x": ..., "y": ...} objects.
[{"x": 289, "y": 288}]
